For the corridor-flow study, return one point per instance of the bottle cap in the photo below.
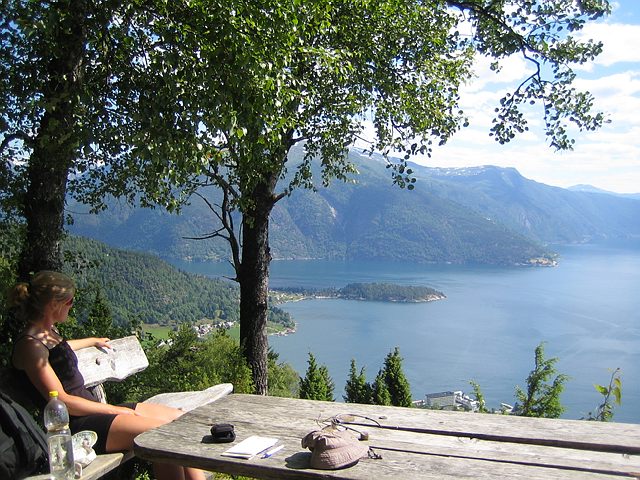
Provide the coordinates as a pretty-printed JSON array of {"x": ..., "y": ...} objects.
[{"x": 53, "y": 393}]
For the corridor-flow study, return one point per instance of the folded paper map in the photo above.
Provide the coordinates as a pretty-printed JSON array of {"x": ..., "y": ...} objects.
[{"x": 250, "y": 447}]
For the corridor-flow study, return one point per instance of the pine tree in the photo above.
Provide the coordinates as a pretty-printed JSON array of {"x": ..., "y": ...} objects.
[
  {"x": 284, "y": 381},
  {"x": 396, "y": 381},
  {"x": 99, "y": 321},
  {"x": 316, "y": 384},
  {"x": 328, "y": 382},
  {"x": 357, "y": 389},
  {"x": 379, "y": 391}
]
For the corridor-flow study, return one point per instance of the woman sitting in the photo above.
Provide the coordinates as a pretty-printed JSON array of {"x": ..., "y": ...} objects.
[{"x": 47, "y": 362}]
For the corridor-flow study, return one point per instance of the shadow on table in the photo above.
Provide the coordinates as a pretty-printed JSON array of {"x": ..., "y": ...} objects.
[{"x": 298, "y": 461}]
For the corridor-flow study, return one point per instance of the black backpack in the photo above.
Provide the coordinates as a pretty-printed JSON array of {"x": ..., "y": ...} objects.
[{"x": 23, "y": 444}]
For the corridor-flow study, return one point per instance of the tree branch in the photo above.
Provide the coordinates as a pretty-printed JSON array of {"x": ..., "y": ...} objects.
[
  {"x": 24, "y": 136},
  {"x": 481, "y": 11},
  {"x": 223, "y": 213}
]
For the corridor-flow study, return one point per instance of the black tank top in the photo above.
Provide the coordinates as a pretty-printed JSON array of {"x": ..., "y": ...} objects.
[{"x": 64, "y": 362}]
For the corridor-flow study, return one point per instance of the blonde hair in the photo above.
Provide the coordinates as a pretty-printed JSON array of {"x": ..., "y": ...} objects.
[{"x": 30, "y": 299}]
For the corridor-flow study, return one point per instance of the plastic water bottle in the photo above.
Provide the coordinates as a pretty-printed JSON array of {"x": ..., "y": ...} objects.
[{"x": 56, "y": 420}]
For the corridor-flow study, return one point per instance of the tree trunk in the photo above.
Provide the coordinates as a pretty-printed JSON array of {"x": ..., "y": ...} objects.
[
  {"x": 56, "y": 141},
  {"x": 254, "y": 283}
]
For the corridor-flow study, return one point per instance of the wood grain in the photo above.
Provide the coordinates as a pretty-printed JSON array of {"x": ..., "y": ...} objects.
[
  {"x": 125, "y": 358},
  {"x": 456, "y": 445}
]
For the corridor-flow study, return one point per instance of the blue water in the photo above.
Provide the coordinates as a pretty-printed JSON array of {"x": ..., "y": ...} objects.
[{"x": 587, "y": 310}]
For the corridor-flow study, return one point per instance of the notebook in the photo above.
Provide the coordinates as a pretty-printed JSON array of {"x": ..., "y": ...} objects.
[{"x": 250, "y": 447}]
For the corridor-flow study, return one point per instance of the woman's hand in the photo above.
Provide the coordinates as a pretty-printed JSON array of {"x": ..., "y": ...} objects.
[
  {"x": 123, "y": 410},
  {"x": 79, "y": 406},
  {"x": 98, "y": 342},
  {"x": 102, "y": 342}
]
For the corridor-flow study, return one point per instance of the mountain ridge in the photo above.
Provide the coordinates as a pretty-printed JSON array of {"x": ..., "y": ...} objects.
[
  {"x": 482, "y": 215},
  {"x": 590, "y": 188}
]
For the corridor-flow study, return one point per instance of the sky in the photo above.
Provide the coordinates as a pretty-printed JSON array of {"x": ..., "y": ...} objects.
[{"x": 608, "y": 158}]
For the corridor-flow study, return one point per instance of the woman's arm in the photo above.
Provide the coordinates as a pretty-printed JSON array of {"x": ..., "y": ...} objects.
[
  {"x": 89, "y": 342},
  {"x": 33, "y": 357}
]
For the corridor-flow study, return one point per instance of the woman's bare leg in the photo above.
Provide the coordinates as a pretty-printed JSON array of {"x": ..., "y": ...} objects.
[
  {"x": 127, "y": 427},
  {"x": 166, "y": 471},
  {"x": 161, "y": 412},
  {"x": 193, "y": 474}
]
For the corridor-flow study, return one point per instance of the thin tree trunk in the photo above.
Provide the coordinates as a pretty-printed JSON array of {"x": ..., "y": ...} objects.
[
  {"x": 254, "y": 284},
  {"x": 56, "y": 143}
]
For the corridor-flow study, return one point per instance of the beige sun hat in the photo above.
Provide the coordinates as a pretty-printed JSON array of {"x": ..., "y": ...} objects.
[{"x": 332, "y": 449}]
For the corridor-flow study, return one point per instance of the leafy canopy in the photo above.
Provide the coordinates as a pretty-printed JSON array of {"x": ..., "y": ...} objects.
[
  {"x": 177, "y": 90},
  {"x": 174, "y": 95}
]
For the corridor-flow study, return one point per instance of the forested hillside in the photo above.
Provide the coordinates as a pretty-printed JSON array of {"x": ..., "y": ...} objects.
[
  {"x": 386, "y": 292},
  {"x": 482, "y": 215},
  {"x": 544, "y": 213},
  {"x": 142, "y": 287},
  {"x": 368, "y": 219}
]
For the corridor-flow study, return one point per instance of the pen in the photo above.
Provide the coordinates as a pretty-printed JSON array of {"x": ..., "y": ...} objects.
[{"x": 272, "y": 451}]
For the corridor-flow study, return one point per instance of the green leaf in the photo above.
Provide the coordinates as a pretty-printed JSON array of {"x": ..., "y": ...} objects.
[{"x": 602, "y": 389}]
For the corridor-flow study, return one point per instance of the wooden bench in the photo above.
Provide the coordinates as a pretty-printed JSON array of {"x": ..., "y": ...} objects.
[{"x": 125, "y": 358}]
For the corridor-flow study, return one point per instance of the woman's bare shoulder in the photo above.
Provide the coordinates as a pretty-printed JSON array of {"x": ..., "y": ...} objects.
[{"x": 29, "y": 350}]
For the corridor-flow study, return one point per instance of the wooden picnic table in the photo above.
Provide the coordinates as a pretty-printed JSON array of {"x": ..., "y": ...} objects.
[{"x": 414, "y": 443}]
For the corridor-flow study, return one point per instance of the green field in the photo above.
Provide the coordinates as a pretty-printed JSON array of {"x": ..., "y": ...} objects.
[
  {"x": 162, "y": 331},
  {"x": 158, "y": 331}
]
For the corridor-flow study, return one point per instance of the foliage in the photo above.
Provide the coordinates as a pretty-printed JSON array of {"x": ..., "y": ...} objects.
[
  {"x": 141, "y": 287},
  {"x": 54, "y": 86},
  {"x": 541, "y": 399},
  {"x": 284, "y": 381},
  {"x": 263, "y": 53},
  {"x": 98, "y": 322},
  {"x": 477, "y": 392},
  {"x": 268, "y": 76},
  {"x": 446, "y": 221},
  {"x": 10, "y": 235},
  {"x": 379, "y": 391},
  {"x": 397, "y": 383},
  {"x": 258, "y": 62},
  {"x": 604, "y": 412},
  {"x": 381, "y": 292},
  {"x": 150, "y": 101},
  {"x": 390, "y": 386},
  {"x": 357, "y": 390},
  {"x": 388, "y": 292},
  {"x": 316, "y": 384},
  {"x": 185, "y": 363}
]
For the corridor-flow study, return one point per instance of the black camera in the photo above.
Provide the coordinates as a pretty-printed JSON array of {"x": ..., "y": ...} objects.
[{"x": 221, "y": 433}]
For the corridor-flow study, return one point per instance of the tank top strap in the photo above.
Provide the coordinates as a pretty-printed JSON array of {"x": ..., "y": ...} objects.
[{"x": 30, "y": 336}]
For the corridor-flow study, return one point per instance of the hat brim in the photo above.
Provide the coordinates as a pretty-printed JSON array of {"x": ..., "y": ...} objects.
[{"x": 335, "y": 458}]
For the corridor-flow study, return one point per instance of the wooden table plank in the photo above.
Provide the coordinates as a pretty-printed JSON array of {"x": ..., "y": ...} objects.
[
  {"x": 405, "y": 454},
  {"x": 569, "y": 433}
]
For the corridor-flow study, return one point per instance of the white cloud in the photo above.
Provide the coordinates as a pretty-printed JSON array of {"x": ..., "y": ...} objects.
[
  {"x": 512, "y": 69},
  {"x": 618, "y": 95},
  {"x": 620, "y": 42},
  {"x": 624, "y": 83},
  {"x": 608, "y": 158}
]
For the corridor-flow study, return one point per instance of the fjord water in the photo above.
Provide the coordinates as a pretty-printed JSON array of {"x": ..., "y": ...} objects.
[{"x": 586, "y": 310}]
